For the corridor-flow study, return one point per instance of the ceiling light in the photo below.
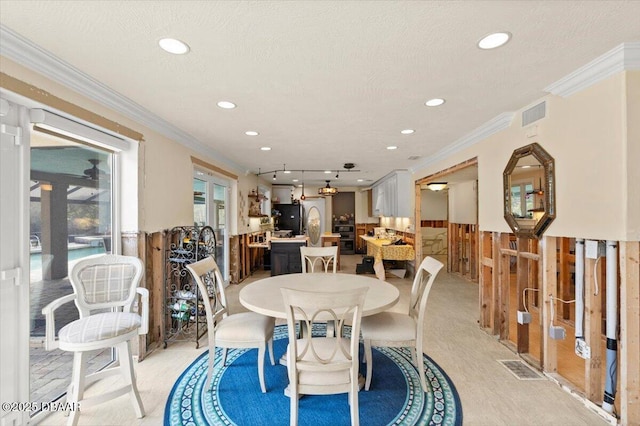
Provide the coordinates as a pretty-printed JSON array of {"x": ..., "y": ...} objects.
[
  {"x": 407, "y": 131},
  {"x": 274, "y": 175},
  {"x": 266, "y": 148},
  {"x": 287, "y": 171},
  {"x": 392, "y": 147},
  {"x": 327, "y": 171},
  {"x": 360, "y": 180},
  {"x": 494, "y": 40},
  {"x": 226, "y": 105},
  {"x": 295, "y": 180},
  {"x": 434, "y": 102},
  {"x": 437, "y": 186},
  {"x": 327, "y": 190},
  {"x": 251, "y": 133},
  {"x": 174, "y": 46}
]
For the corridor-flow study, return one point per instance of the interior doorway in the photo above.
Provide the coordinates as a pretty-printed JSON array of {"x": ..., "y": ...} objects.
[{"x": 447, "y": 216}]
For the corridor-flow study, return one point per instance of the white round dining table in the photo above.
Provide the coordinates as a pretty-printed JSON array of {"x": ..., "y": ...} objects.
[{"x": 264, "y": 296}]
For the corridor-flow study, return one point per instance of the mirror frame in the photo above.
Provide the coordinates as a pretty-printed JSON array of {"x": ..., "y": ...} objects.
[{"x": 549, "y": 185}]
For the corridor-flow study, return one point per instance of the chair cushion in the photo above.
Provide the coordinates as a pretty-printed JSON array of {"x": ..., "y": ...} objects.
[
  {"x": 245, "y": 327},
  {"x": 389, "y": 326},
  {"x": 99, "y": 327}
]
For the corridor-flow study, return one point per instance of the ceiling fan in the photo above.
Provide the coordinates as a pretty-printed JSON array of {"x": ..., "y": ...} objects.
[{"x": 94, "y": 172}]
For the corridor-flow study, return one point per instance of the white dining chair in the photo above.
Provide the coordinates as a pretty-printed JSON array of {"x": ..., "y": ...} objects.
[
  {"x": 319, "y": 256},
  {"x": 323, "y": 365},
  {"x": 108, "y": 298},
  {"x": 394, "y": 329},
  {"x": 224, "y": 329}
]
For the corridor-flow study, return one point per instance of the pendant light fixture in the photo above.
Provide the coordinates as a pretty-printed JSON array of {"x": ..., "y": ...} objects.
[
  {"x": 328, "y": 190},
  {"x": 258, "y": 186},
  {"x": 302, "y": 197}
]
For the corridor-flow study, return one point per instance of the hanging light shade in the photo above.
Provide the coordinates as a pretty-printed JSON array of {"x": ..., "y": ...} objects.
[
  {"x": 328, "y": 190},
  {"x": 302, "y": 197},
  {"x": 437, "y": 186}
]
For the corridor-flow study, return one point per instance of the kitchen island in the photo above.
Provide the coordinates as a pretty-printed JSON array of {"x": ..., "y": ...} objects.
[{"x": 285, "y": 254}]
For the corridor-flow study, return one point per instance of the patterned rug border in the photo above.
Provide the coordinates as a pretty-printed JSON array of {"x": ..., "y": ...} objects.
[{"x": 438, "y": 402}]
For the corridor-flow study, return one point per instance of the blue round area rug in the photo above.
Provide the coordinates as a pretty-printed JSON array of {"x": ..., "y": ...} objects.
[{"x": 234, "y": 397}]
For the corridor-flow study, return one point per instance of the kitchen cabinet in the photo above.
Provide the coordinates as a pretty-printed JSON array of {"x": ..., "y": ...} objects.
[{"x": 392, "y": 194}]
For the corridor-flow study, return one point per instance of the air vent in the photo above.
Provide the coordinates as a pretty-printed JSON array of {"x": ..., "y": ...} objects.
[
  {"x": 534, "y": 113},
  {"x": 520, "y": 369}
]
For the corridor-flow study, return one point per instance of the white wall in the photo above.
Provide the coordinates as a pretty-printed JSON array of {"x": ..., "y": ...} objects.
[
  {"x": 632, "y": 142},
  {"x": 433, "y": 205},
  {"x": 165, "y": 168},
  {"x": 586, "y": 135},
  {"x": 463, "y": 202}
]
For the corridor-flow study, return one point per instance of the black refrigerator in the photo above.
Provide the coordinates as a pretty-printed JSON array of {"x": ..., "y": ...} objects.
[{"x": 290, "y": 218}]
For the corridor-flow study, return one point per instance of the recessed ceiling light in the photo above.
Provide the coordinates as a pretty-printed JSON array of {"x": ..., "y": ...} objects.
[
  {"x": 360, "y": 180},
  {"x": 434, "y": 102},
  {"x": 251, "y": 133},
  {"x": 407, "y": 131},
  {"x": 295, "y": 180},
  {"x": 266, "y": 148},
  {"x": 226, "y": 105},
  {"x": 494, "y": 40},
  {"x": 327, "y": 171},
  {"x": 392, "y": 147},
  {"x": 174, "y": 46},
  {"x": 287, "y": 171}
]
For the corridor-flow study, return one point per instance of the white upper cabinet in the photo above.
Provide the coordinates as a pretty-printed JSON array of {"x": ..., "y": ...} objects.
[{"x": 392, "y": 195}]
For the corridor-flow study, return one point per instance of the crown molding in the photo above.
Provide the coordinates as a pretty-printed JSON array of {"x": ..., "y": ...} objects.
[
  {"x": 22, "y": 51},
  {"x": 495, "y": 125},
  {"x": 624, "y": 57}
]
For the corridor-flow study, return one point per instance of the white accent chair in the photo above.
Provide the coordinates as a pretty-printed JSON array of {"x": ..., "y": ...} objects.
[
  {"x": 108, "y": 284},
  {"x": 224, "y": 330},
  {"x": 399, "y": 330},
  {"x": 325, "y": 255},
  {"x": 323, "y": 365}
]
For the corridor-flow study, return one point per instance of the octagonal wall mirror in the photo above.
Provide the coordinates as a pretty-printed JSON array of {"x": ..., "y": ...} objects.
[{"x": 529, "y": 191}]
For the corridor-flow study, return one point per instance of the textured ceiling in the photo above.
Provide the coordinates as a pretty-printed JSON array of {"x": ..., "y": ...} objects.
[{"x": 326, "y": 82}]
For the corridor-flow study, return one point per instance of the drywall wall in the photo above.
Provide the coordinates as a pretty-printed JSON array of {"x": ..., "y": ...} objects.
[
  {"x": 165, "y": 182},
  {"x": 462, "y": 203},
  {"x": 632, "y": 165},
  {"x": 433, "y": 205},
  {"x": 585, "y": 133}
]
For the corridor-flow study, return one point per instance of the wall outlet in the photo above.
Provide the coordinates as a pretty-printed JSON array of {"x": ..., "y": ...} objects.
[
  {"x": 582, "y": 350},
  {"x": 557, "y": 332},
  {"x": 524, "y": 317}
]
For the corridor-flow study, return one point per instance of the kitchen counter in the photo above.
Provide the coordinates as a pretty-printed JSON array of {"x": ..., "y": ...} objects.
[{"x": 297, "y": 239}]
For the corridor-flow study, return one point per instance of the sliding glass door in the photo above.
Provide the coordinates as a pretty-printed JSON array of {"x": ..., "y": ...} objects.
[{"x": 71, "y": 217}]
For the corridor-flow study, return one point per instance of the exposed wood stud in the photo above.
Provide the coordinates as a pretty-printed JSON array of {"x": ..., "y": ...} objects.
[
  {"x": 593, "y": 329},
  {"x": 629, "y": 254}
]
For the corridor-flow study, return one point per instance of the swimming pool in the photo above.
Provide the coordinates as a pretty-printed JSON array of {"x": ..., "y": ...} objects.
[{"x": 75, "y": 253}]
